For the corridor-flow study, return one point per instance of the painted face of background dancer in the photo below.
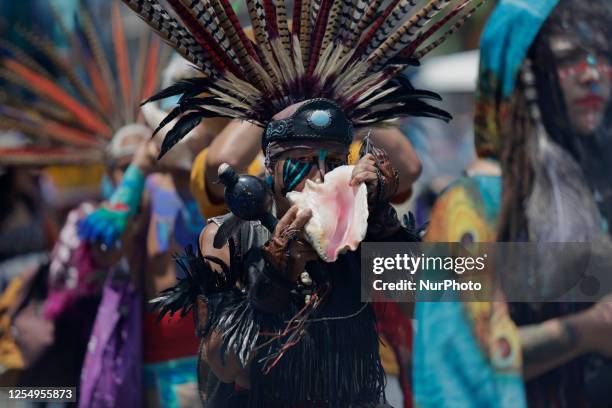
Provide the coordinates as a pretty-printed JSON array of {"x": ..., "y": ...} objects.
[{"x": 585, "y": 77}]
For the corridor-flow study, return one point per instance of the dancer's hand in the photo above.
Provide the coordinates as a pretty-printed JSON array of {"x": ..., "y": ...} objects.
[
  {"x": 146, "y": 156},
  {"x": 287, "y": 251},
  {"x": 381, "y": 178},
  {"x": 365, "y": 172}
]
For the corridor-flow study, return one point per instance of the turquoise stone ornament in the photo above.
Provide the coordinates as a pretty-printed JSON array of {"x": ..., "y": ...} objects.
[{"x": 320, "y": 119}]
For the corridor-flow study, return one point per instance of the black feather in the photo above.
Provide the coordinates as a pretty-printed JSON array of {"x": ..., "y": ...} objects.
[
  {"x": 403, "y": 81},
  {"x": 174, "y": 113},
  {"x": 189, "y": 87},
  {"x": 402, "y": 97},
  {"x": 417, "y": 108},
  {"x": 226, "y": 230},
  {"x": 195, "y": 278},
  {"x": 185, "y": 104},
  {"x": 188, "y": 102},
  {"x": 180, "y": 130},
  {"x": 399, "y": 60}
]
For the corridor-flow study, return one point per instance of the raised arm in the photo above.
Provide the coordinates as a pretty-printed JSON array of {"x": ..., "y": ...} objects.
[
  {"x": 401, "y": 154},
  {"x": 237, "y": 145}
]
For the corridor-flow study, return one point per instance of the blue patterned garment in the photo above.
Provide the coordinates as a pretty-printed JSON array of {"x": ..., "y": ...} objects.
[{"x": 466, "y": 354}]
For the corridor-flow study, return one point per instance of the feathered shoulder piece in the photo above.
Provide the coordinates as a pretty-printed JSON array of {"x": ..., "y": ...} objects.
[
  {"x": 70, "y": 103},
  {"x": 351, "y": 52}
]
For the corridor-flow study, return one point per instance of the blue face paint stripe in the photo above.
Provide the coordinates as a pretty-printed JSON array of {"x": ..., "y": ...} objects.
[
  {"x": 289, "y": 173},
  {"x": 295, "y": 172},
  {"x": 322, "y": 155},
  {"x": 300, "y": 176},
  {"x": 290, "y": 168},
  {"x": 294, "y": 168},
  {"x": 322, "y": 159}
]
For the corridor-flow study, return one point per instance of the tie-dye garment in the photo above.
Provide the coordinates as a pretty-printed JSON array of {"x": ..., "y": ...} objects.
[
  {"x": 175, "y": 218},
  {"x": 466, "y": 354}
]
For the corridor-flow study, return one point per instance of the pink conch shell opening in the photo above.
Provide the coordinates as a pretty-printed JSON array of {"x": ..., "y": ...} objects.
[{"x": 339, "y": 213}]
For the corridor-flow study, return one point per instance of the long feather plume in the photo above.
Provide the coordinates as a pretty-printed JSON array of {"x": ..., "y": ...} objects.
[
  {"x": 400, "y": 38},
  {"x": 228, "y": 23},
  {"x": 173, "y": 33},
  {"x": 283, "y": 26},
  {"x": 333, "y": 23},
  {"x": 8, "y": 49},
  {"x": 122, "y": 59},
  {"x": 350, "y": 51},
  {"x": 258, "y": 20},
  {"x": 356, "y": 15},
  {"x": 48, "y": 89},
  {"x": 150, "y": 77},
  {"x": 196, "y": 18},
  {"x": 305, "y": 30},
  {"x": 366, "y": 20},
  {"x": 97, "y": 51},
  {"x": 296, "y": 19},
  {"x": 102, "y": 96},
  {"x": 436, "y": 43},
  {"x": 46, "y": 47},
  {"x": 389, "y": 24},
  {"x": 70, "y": 118},
  {"x": 317, "y": 39},
  {"x": 369, "y": 36}
]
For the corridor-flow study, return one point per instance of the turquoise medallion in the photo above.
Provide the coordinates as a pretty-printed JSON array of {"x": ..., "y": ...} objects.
[{"x": 320, "y": 119}]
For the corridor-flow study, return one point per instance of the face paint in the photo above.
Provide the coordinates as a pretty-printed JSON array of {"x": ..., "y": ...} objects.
[
  {"x": 322, "y": 157},
  {"x": 580, "y": 68},
  {"x": 296, "y": 170},
  {"x": 270, "y": 181},
  {"x": 585, "y": 77}
]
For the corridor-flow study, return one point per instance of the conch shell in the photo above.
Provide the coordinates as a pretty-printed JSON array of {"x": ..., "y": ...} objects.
[{"x": 339, "y": 213}]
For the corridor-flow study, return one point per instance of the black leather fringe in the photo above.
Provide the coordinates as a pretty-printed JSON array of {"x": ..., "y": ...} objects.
[{"x": 336, "y": 362}]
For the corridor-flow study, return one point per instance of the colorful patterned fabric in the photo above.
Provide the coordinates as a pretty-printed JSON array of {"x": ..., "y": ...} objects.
[
  {"x": 506, "y": 39},
  {"x": 72, "y": 273},
  {"x": 174, "y": 217},
  {"x": 111, "y": 375},
  {"x": 107, "y": 224},
  {"x": 466, "y": 354}
]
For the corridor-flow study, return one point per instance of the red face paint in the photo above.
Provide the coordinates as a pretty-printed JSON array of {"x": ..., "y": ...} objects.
[{"x": 579, "y": 68}]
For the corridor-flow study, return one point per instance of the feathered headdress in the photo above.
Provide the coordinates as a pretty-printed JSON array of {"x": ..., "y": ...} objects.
[
  {"x": 71, "y": 116},
  {"x": 348, "y": 52}
]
